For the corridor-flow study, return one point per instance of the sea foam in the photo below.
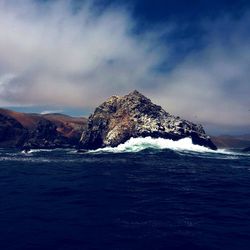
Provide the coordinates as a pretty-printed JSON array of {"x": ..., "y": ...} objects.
[
  {"x": 139, "y": 144},
  {"x": 134, "y": 145},
  {"x": 30, "y": 151}
]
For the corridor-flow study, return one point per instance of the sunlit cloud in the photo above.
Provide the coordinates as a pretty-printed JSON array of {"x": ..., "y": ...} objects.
[{"x": 61, "y": 56}]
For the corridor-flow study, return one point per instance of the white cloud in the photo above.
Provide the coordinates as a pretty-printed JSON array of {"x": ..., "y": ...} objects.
[
  {"x": 60, "y": 56},
  {"x": 46, "y": 112},
  {"x": 212, "y": 85},
  {"x": 76, "y": 59}
]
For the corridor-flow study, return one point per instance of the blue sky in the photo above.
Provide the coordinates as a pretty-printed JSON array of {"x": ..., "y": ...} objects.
[{"x": 191, "y": 57}]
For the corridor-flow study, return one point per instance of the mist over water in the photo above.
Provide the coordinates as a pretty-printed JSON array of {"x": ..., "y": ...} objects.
[{"x": 149, "y": 194}]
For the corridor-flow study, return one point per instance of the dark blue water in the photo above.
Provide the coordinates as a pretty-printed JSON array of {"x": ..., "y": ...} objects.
[{"x": 148, "y": 200}]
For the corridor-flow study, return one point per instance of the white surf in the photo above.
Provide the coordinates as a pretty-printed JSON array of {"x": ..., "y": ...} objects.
[
  {"x": 30, "y": 151},
  {"x": 182, "y": 145},
  {"x": 139, "y": 144}
]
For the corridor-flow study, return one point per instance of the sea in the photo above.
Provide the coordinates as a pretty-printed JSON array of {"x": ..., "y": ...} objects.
[{"x": 144, "y": 194}]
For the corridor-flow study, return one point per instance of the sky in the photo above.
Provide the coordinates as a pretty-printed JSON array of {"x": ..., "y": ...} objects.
[{"x": 191, "y": 57}]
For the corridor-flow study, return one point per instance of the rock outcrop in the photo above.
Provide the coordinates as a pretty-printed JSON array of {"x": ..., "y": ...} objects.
[
  {"x": 12, "y": 133},
  {"x": 39, "y": 131},
  {"x": 113, "y": 122},
  {"x": 45, "y": 135},
  {"x": 133, "y": 115}
]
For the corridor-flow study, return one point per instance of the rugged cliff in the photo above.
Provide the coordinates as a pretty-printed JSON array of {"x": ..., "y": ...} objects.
[
  {"x": 133, "y": 115},
  {"x": 39, "y": 131},
  {"x": 12, "y": 133}
]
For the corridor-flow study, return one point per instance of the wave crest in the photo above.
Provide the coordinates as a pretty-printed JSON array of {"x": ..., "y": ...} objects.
[
  {"x": 30, "y": 151},
  {"x": 139, "y": 144}
]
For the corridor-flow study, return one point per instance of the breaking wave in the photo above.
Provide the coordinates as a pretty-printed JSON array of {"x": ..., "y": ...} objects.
[
  {"x": 36, "y": 151},
  {"x": 134, "y": 145},
  {"x": 139, "y": 144}
]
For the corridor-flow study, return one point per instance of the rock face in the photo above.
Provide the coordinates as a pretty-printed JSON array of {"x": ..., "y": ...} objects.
[
  {"x": 12, "y": 133},
  {"x": 39, "y": 131},
  {"x": 133, "y": 115},
  {"x": 45, "y": 135}
]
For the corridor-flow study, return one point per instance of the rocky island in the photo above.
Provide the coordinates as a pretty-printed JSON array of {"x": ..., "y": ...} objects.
[
  {"x": 134, "y": 115},
  {"x": 114, "y": 122}
]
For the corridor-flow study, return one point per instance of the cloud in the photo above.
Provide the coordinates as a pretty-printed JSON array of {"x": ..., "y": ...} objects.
[
  {"x": 63, "y": 56},
  {"x": 46, "y": 112},
  {"x": 212, "y": 85},
  {"x": 54, "y": 53}
]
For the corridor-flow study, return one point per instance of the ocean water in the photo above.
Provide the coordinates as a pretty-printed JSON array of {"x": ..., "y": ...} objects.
[{"x": 144, "y": 194}]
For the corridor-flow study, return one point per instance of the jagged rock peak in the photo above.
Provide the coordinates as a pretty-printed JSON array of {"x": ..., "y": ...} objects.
[
  {"x": 134, "y": 115},
  {"x": 136, "y": 93}
]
